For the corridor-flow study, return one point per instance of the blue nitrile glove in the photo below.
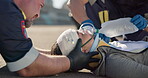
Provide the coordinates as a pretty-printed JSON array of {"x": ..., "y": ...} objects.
[
  {"x": 87, "y": 25},
  {"x": 139, "y": 21},
  {"x": 105, "y": 38}
]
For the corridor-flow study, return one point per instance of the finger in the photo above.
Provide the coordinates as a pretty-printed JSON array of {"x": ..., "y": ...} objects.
[
  {"x": 81, "y": 31},
  {"x": 145, "y": 24},
  {"x": 135, "y": 18},
  {"x": 140, "y": 25},
  {"x": 137, "y": 21},
  {"x": 93, "y": 53},
  {"x": 88, "y": 32},
  {"x": 79, "y": 43},
  {"x": 85, "y": 31},
  {"x": 91, "y": 60}
]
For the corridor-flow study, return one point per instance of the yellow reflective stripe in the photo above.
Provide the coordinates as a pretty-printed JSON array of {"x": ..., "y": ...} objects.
[
  {"x": 101, "y": 16},
  {"x": 23, "y": 14},
  {"x": 102, "y": 43},
  {"x": 106, "y": 15}
]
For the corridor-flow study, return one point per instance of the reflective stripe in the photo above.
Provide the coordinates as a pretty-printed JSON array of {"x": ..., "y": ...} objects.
[
  {"x": 101, "y": 16},
  {"x": 102, "y": 43},
  {"x": 24, "y": 61},
  {"x": 23, "y": 15},
  {"x": 104, "y": 16}
]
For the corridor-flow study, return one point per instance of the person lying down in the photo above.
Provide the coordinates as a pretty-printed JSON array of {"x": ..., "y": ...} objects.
[{"x": 118, "y": 59}]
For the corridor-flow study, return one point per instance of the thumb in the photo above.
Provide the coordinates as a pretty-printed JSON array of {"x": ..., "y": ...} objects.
[{"x": 78, "y": 45}]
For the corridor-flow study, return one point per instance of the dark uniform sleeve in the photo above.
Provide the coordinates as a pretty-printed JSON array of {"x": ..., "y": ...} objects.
[
  {"x": 13, "y": 41},
  {"x": 15, "y": 46}
]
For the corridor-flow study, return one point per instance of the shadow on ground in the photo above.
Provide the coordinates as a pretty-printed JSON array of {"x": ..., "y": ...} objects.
[{"x": 4, "y": 73}]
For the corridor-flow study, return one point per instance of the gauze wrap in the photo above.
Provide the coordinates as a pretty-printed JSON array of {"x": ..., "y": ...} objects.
[{"x": 67, "y": 41}]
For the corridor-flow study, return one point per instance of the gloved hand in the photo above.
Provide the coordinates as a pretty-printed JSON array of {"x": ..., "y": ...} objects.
[
  {"x": 79, "y": 60},
  {"x": 105, "y": 38},
  {"x": 88, "y": 26},
  {"x": 139, "y": 21}
]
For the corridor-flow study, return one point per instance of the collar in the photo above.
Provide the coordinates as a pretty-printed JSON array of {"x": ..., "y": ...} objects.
[{"x": 23, "y": 14}]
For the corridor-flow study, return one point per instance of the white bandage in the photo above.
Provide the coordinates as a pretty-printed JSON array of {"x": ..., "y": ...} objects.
[
  {"x": 67, "y": 41},
  {"x": 24, "y": 61}
]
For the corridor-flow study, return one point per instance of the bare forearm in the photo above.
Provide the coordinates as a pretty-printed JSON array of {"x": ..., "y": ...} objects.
[
  {"x": 77, "y": 8},
  {"x": 54, "y": 64},
  {"x": 46, "y": 65}
]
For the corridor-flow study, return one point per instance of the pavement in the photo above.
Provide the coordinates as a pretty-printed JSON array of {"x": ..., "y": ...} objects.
[{"x": 43, "y": 37}]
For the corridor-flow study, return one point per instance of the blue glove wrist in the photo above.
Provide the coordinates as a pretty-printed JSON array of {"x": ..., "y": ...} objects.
[{"x": 139, "y": 21}]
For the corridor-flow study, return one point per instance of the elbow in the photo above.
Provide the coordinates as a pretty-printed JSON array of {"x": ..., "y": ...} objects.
[{"x": 23, "y": 73}]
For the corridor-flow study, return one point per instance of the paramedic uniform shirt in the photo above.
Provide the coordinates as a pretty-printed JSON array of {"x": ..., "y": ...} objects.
[
  {"x": 100, "y": 12},
  {"x": 14, "y": 43}
]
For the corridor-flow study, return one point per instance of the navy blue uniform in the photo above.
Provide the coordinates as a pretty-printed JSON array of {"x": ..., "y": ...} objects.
[
  {"x": 16, "y": 48},
  {"x": 98, "y": 11},
  {"x": 14, "y": 43}
]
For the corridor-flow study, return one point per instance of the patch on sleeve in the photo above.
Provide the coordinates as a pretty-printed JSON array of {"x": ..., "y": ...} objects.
[{"x": 24, "y": 29}]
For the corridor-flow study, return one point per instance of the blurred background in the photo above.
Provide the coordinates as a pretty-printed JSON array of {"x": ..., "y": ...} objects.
[
  {"x": 55, "y": 12},
  {"x": 54, "y": 19}
]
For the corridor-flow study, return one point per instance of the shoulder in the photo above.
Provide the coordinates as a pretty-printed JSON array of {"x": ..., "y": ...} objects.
[{"x": 8, "y": 6}]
